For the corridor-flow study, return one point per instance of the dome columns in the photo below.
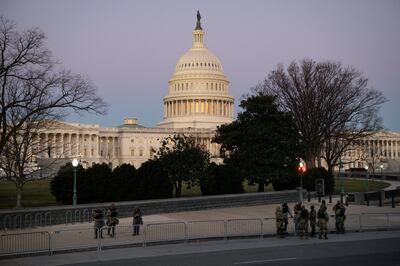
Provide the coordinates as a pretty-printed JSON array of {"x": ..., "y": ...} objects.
[{"x": 195, "y": 107}]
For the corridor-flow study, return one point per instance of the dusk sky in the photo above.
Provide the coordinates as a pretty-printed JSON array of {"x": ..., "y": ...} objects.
[{"x": 129, "y": 48}]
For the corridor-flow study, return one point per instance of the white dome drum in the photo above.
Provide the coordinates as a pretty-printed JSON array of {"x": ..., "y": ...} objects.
[{"x": 198, "y": 90}]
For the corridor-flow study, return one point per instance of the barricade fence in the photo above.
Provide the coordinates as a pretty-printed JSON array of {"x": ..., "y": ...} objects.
[{"x": 92, "y": 238}]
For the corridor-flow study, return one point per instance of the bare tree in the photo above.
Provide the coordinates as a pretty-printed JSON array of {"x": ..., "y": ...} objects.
[
  {"x": 332, "y": 106},
  {"x": 35, "y": 91},
  {"x": 30, "y": 79}
]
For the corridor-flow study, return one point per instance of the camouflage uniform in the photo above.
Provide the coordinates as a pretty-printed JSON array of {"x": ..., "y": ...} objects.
[
  {"x": 112, "y": 220},
  {"x": 286, "y": 212},
  {"x": 313, "y": 220},
  {"x": 303, "y": 222},
  {"x": 98, "y": 223},
  {"x": 339, "y": 210},
  {"x": 137, "y": 221},
  {"x": 279, "y": 221},
  {"x": 323, "y": 219},
  {"x": 296, "y": 210}
]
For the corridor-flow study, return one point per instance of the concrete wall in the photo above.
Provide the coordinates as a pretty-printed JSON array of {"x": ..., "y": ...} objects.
[{"x": 44, "y": 216}]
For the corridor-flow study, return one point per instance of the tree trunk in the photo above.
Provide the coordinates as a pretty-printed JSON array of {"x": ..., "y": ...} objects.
[
  {"x": 310, "y": 161},
  {"x": 178, "y": 189},
  {"x": 18, "y": 204},
  {"x": 261, "y": 186}
]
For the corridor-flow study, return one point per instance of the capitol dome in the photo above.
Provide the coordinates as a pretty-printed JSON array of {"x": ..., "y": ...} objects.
[{"x": 198, "y": 90}]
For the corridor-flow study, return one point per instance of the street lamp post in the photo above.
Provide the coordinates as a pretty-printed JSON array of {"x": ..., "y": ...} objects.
[
  {"x": 366, "y": 180},
  {"x": 381, "y": 166},
  {"x": 341, "y": 180},
  {"x": 302, "y": 169},
  {"x": 75, "y": 163}
]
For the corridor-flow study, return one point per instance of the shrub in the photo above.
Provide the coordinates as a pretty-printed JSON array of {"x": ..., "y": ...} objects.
[
  {"x": 154, "y": 182},
  {"x": 287, "y": 181},
  {"x": 221, "y": 179},
  {"x": 123, "y": 183},
  {"x": 61, "y": 186}
]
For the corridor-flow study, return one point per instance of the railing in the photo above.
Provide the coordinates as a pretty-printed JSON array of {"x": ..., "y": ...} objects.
[
  {"x": 21, "y": 243},
  {"x": 171, "y": 232},
  {"x": 206, "y": 229}
]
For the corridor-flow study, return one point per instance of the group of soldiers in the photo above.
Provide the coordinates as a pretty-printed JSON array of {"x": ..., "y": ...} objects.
[
  {"x": 111, "y": 221},
  {"x": 303, "y": 219}
]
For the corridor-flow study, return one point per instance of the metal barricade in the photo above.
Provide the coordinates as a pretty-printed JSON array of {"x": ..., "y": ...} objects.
[
  {"x": 47, "y": 219},
  {"x": 7, "y": 222},
  {"x": 77, "y": 216},
  {"x": 123, "y": 236},
  {"x": 244, "y": 227},
  {"x": 269, "y": 226},
  {"x": 159, "y": 232},
  {"x": 86, "y": 215},
  {"x": 18, "y": 221},
  {"x": 352, "y": 222},
  {"x": 38, "y": 219},
  {"x": 25, "y": 243},
  {"x": 394, "y": 221},
  {"x": 374, "y": 221},
  {"x": 28, "y": 220},
  {"x": 68, "y": 217},
  {"x": 206, "y": 229},
  {"x": 75, "y": 238}
]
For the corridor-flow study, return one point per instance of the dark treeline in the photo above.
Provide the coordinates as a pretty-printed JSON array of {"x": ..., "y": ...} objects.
[{"x": 125, "y": 183}]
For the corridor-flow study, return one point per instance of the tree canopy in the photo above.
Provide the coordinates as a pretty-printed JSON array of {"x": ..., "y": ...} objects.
[
  {"x": 263, "y": 141},
  {"x": 332, "y": 106},
  {"x": 183, "y": 160}
]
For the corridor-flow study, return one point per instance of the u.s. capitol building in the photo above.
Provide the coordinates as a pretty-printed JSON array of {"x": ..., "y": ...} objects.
[{"x": 198, "y": 101}]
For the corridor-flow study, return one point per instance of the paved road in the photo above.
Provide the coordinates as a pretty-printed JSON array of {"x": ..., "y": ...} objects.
[{"x": 359, "y": 252}]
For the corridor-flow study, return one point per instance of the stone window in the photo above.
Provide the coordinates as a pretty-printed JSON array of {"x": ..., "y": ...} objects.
[
  {"x": 140, "y": 152},
  {"x": 132, "y": 152}
]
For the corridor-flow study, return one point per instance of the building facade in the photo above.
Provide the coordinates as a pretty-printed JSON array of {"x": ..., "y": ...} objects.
[{"x": 197, "y": 101}]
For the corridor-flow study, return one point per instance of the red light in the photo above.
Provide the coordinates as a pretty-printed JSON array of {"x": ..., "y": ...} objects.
[{"x": 302, "y": 167}]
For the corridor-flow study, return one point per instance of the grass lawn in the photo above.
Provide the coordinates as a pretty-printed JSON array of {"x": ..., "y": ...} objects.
[
  {"x": 356, "y": 185},
  {"x": 195, "y": 191},
  {"x": 37, "y": 193}
]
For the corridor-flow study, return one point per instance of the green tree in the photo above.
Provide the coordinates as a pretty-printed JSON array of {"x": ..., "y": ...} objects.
[
  {"x": 184, "y": 160},
  {"x": 61, "y": 186},
  {"x": 123, "y": 184},
  {"x": 221, "y": 179},
  {"x": 263, "y": 141},
  {"x": 154, "y": 182}
]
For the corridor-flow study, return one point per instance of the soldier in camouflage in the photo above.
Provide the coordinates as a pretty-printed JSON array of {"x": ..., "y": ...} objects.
[
  {"x": 339, "y": 211},
  {"x": 279, "y": 222},
  {"x": 323, "y": 219},
  {"x": 313, "y": 220},
  {"x": 303, "y": 222}
]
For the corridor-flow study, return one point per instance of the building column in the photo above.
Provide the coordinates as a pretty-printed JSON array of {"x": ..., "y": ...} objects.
[
  {"x": 90, "y": 147},
  {"x": 62, "y": 145}
]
